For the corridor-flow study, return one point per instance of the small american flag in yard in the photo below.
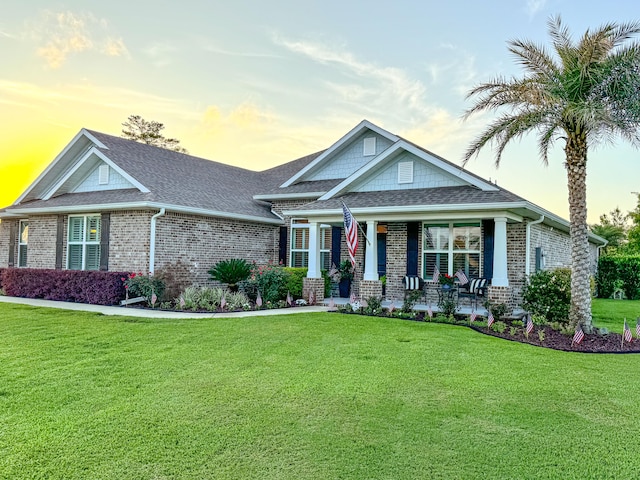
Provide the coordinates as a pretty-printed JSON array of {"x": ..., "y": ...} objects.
[
  {"x": 462, "y": 277},
  {"x": 289, "y": 299},
  {"x": 352, "y": 298},
  {"x": 332, "y": 304},
  {"x": 223, "y": 302},
  {"x": 472, "y": 317},
  {"x": 154, "y": 299},
  {"x": 529, "y": 327},
  {"x": 182, "y": 301},
  {"x": 638, "y": 327},
  {"x": 312, "y": 297},
  {"x": 392, "y": 307},
  {"x": 259, "y": 300},
  {"x": 430, "y": 311},
  {"x": 436, "y": 273},
  {"x": 578, "y": 336},
  {"x": 627, "y": 333},
  {"x": 490, "y": 320}
]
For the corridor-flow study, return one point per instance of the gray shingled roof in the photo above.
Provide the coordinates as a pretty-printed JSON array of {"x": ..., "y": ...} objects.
[{"x": 427, "y": 196}]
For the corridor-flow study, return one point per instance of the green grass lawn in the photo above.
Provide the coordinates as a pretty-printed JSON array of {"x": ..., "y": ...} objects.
[
  {"x": 324, "y": 396},
  {"x": 611, "y": 313}
]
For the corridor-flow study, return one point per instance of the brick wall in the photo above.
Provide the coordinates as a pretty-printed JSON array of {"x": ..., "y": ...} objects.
[
  {"x": 5, "y": 226},
  {"x": 191, "y": 245},
  {"x": 41, "y": 250},
  {"x": 129, "y": 233},
  {"x": 396, "y": 259}
]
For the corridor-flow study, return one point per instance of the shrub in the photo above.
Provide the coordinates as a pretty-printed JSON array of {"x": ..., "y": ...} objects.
[
  {"x": 139, "y": 285},
  {"x": 81, "y": 286},
  {"x": 270, "y": 280},
  {"x": 548, "y": 293},
  {"x": 499, "y": 327},
  {"x": 294, "y": 281},
  {"x": 499, "y": 310},
  {"x": 374, "y": 306},
  {"x": 619, "y": 271},
  {"x": 231, "y": 272},
  {"x": 410, "y": 299}
]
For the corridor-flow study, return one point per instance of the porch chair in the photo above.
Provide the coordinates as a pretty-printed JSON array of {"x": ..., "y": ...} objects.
[{"x": 474, "y": 289}]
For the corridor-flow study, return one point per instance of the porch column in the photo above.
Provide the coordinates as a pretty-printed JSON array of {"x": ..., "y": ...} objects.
[
  {"x": 500, "y": 276},
  {"x": 314, "y": 270},
  {"x": 371, "y": 260}
]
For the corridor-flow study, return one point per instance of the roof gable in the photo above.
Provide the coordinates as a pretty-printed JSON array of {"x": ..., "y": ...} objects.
[
  {"x": 428, "y": 171},
  {"x": 346, "y": 155}
]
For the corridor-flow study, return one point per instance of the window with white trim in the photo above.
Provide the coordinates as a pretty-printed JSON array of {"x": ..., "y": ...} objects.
[
  {"x": 299, "y": 251},
  {"x": 23, "y": 243},
  {"x": 451, "y": 246},
  {"x": 83, "y": 242}
]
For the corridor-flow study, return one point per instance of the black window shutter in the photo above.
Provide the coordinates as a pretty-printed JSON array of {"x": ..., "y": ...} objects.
[
  {"x": 13, "y": 227},
  {"x": 336, "y": 240},
  {"x": 413, "y": 228},
  {"x": 59, "y": 241},
  {"x": 488, "y": 226},
  {"x": 282, "y": 246},
  {"x": 105, "y": 219}
]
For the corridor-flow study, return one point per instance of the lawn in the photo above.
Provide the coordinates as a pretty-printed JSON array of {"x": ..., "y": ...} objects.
[
  {"x": 303, "y": 396},
  {"x": 611, "y": 313}
]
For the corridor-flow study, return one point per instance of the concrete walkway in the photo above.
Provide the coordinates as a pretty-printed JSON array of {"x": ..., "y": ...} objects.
[{"x": 149, "y": 313}]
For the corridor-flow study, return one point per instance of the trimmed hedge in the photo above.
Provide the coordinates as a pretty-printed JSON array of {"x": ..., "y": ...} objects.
[
  {"x": 619, "y": 271},
  {"x": 94, "y": 287}
]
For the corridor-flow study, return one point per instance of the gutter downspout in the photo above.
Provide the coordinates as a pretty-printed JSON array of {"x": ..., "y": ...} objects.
[
  {"x": 527, "y": 255},
  {"x": 152, "y": 241}
]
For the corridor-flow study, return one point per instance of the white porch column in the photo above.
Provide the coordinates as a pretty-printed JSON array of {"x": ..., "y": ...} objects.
[
  {"x": 314, "y": 270},
  {"x": 500, "y": 276},
  {"x": 371, "y": 260}
]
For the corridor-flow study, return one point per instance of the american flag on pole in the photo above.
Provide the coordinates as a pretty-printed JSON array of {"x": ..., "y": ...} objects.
[
  {"x": 352, "y": 298},
  {"x": 462, "y": 277},
  {"x": 154, "y": 299},
  {"x": 350, "y": 233},
  {"x": 627, "y": 333},
  {"x": 182, "y": 302},
  {"x": 289, "y": 299},
  {"x": 259, "y": 300},
  {"x": 436, "y": 273},
  {"x": 312, "y": 297},
  {"x": 529, "y": 326},
  {"x": 472, "y": 317},
  {"x": 430, "y": 311},
  {"x": 332, "y": 304},
  {"x": 638, "y": 327},
  {"x": 223, "y": 302},
  {"x": 490, "y": 320},
  {"x": 578, "y": 336}
]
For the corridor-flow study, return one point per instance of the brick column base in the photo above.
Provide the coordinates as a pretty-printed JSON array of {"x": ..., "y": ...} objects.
[
  {"x": 370, "y": 288},
  {"x": 501, "y": 295},
  {"x": 315, "y": 285}
]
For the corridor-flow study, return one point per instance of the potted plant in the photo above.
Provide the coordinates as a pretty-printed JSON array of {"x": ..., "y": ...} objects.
[
  {"x": 446, "y": 281},
  {"x": 344, "y": 277}
]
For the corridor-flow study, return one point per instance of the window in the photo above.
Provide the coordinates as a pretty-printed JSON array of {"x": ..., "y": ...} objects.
[
  {"x": 452, "y": 247},
  {"x": 23, "y": 242},
  {"x": 300, "y": 245},
  {"x": 83, "y": 245}
]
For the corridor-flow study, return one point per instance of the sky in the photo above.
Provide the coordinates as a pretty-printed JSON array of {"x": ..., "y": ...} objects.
[{"x": 257, "y": 84}]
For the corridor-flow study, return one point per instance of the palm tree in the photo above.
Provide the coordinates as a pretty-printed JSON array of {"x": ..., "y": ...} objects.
[{"x": 585, "y": 93}]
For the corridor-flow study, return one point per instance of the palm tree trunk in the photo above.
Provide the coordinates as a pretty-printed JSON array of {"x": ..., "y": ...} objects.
[{"x": 576, "y": 156}]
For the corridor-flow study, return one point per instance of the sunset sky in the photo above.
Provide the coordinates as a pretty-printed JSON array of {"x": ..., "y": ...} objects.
[{"x": 256, "y": 84}]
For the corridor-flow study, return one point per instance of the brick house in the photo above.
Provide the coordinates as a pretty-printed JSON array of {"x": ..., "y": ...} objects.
[{"x": 114, "y": 204}]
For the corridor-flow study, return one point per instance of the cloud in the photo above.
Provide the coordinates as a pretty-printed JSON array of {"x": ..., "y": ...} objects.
[
  {"x": 61, "y": 34},
  {"x": 385, "y": 84},
  {"x": 534, "y": 6},
  {"x": 161, "y": 54}
]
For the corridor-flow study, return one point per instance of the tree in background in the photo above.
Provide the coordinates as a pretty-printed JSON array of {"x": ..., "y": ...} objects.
[
  {"x": 583, "y": 92},
  {"x": 613, "y": 228},
  {"x": 143, "y": 131},
  {"x": 633, "y": 235}
]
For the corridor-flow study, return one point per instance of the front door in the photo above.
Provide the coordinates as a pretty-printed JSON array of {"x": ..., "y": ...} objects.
[{"x": 382, "y": 254}]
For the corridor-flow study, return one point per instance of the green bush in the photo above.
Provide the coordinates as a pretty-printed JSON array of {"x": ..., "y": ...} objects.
[
  {"x": 294, "y": 281},
  {"x": 615, "y": 271},
  {"x": 139, "y": 285},
  {"x": 270, "y": 280},
  {"x": 548, "y": 294},
  {"x": 231, "y": 272},
  {"x": 499, "y": 327}
]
